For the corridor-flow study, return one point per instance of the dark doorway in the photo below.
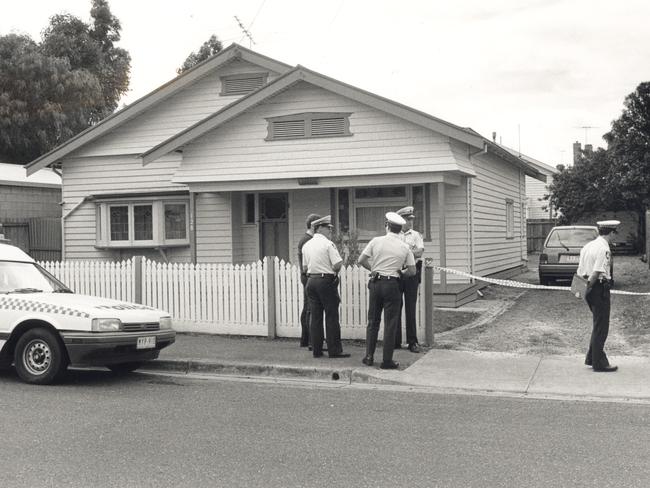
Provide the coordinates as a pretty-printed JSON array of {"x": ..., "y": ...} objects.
[{"x": 274, "y": 225}]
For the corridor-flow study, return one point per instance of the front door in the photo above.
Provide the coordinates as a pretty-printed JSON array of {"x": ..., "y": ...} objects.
[{"x": 274, "y": 225}]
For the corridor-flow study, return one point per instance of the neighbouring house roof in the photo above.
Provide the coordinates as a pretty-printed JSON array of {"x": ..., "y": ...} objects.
[
  {"x": 231, "y": 53},
  {"x": 15, "y": 175},
  {"x": 543, "y": 168},
  {"x": 290, "y": 77}
]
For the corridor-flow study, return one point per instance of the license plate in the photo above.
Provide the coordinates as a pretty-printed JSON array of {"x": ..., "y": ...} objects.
[
  {"x": 569, "y": 258},
  {"x": 146, "y": 342}
]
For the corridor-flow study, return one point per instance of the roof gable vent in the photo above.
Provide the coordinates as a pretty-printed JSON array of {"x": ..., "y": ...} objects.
[
  {"x": 242, "y": 84},
  {"x": 308, "y": 125}
]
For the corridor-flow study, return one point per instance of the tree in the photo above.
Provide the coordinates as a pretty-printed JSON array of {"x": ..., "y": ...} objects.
[
  {"x": 209, "y": 48},
  {"x": 616, "y": 178},
  {"x": 42, "y": 101},
  {"x": 52, "y": 90},
  {"x": 629, "y": 150}
]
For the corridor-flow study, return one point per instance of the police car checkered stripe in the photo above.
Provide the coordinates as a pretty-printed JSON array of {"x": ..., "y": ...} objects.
[
  {"x": 518, "y": 284},
  {"x": 10, "y": 303}
]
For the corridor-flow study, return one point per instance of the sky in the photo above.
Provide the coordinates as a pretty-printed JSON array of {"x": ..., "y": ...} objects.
[{"x": 542, "y": 74}]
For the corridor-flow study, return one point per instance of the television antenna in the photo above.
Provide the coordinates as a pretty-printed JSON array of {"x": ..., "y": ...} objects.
[
  {"x": 586, "y": 128},
  {"x": 246, "y": 32}
]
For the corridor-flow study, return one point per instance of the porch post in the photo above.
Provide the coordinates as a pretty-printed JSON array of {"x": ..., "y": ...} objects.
[
  {"x": 647, "y": 236},
  {"x": 442, "y": 235}
]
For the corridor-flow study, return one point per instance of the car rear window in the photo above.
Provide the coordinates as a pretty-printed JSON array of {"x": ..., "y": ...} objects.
[{"x": 570, "y": 237}]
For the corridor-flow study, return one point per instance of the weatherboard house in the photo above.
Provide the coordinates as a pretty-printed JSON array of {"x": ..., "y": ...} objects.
[{"x": 223, "y": 163}]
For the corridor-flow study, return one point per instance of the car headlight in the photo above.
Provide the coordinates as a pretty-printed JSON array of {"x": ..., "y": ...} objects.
[
  {"x": 106, "y": 325},
  {"x": 165, "y": 322}
]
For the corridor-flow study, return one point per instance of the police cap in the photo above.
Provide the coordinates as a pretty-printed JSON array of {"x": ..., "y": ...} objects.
[
  {"x": 406, "y": 212},
  {"x": 395, "y": 218},
  {"x": 608, "y": 224},
  {"x": 323, "y": 221}
]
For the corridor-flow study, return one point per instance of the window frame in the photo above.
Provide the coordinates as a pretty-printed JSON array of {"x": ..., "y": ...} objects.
[
  {"x": 510, "y": 218},
  {"x": 306, "y": 118},
  {"x": 374, "y": 202},
  {"x": 103, "y": 223}
]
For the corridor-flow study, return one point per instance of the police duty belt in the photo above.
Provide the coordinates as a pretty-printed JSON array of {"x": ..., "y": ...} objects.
[{"x": 518, "y": 284}]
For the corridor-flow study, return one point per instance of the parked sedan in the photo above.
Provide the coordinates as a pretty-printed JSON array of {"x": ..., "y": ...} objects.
[{"x": 561, "y": 253}]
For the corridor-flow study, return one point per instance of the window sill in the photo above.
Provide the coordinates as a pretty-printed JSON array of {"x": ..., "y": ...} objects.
[{"x": 140, "y": 246}]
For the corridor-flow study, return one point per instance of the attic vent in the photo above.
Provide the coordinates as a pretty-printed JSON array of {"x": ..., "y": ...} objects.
[
  {"x": 308, "y": 125},
  {"x": 328, "y": 127},
  {"x": 241, "y": 84},
  {"x": 288, "y": 129}
]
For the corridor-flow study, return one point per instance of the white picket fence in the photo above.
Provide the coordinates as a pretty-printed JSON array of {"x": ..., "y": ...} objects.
[{"x": 221, "y": 298}]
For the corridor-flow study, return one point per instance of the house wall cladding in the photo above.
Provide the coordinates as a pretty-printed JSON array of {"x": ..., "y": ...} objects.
[
  {"x": 166, "y": 119},
  {"x": 83, "y": 177},
  {"x": 535, "y": 191},
  {"x": 380, "y": 144},
  {"x": 214, "y": 229},
  {"x": 495, "y": 182},
  {"x": 24, "y": 202}
]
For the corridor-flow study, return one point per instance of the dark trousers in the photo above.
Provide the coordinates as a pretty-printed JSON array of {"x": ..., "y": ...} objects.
[
  {"x": 410, "y": 287},
  {"x": 323, "y": 297},
  {"x": 304, "y": 315},
  {"x": 386, "y": 296},
  {"x": 598, "y": 299}
]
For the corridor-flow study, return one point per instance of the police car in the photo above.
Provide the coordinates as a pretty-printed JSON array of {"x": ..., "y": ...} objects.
[{"x": 44, "y": 326}]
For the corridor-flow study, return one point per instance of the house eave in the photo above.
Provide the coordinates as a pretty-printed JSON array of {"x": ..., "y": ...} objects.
[{"x": 296, "y": 183}]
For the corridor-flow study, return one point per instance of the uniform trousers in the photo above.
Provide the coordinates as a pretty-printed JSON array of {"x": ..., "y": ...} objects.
[
  {"x": 323, "y": 297},
  {"x": 386, "y": 296},
  {"x": 304, "y": 314},
  {"x": 410, "y": 287},
  {"x": 598, "y": 299}
]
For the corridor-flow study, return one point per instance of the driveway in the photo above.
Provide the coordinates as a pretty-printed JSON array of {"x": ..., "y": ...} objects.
[{"x": 555, "y": 322}]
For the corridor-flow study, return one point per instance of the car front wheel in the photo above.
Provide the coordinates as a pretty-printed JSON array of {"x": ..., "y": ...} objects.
[{"x": 39, "y": 357}]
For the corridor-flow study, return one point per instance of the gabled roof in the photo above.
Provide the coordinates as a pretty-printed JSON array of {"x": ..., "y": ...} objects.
[
  {"x": 543, "y": 168},
  {"x": 14, "y": 175},
  {"x": 298, "y": 74},
  {"x": 231, "y": 53}
]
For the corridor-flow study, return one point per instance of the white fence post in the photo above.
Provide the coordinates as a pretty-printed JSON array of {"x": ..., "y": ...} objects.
[
  {"x": 137, "y": 272},
  {"x": 269, "y": 278}
]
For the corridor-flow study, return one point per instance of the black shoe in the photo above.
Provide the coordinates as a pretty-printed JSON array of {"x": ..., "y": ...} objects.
[
  {"x": 414, "y": 347},
  {"x": 587, "y": 362},
  {"x": 389, "y": 365},
  {"x": 309, "y": 348},
  {"x": 317, "y": 354},
  {"x": 606, "y": 369},
  {"x": 368, "y": 361},
  {"x": 398, "y": 346},
  {"x": 339, "y": 355}
]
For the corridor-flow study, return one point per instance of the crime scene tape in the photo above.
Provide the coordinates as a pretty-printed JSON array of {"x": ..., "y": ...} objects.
[{"x": 519, "y": 284}]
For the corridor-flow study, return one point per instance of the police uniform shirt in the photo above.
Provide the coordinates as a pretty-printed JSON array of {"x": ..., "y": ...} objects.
[
  {"x": 319, "y": 254},
  {"x": 388, "y": 254},
  {"x": 413, "y": 239},
  {"x": 595, "y": 256}
]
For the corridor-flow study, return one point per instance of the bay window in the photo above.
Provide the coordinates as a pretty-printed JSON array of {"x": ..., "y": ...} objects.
[{"x": 153, "y": 223}]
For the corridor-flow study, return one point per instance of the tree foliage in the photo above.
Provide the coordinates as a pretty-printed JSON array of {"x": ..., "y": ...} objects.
[
  {"x": 209, "y": 48},
  {"x": 52, "y": 90},
  {"x": 616, "y": 178}
]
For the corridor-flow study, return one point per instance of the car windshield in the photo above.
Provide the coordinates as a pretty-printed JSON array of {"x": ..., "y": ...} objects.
[
  {"x": 18, "y": 277},
  {"x": 571, "y": 237}
]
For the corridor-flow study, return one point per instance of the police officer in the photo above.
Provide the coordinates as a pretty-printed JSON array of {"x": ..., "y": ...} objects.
[
  {"x": 388, "y": 259},
  {"x": 595, "y": 261},
  {"x": 304, "y": 315},
  {"x": 321, "y": 262},
  {"x": 410, "y": 284}
]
